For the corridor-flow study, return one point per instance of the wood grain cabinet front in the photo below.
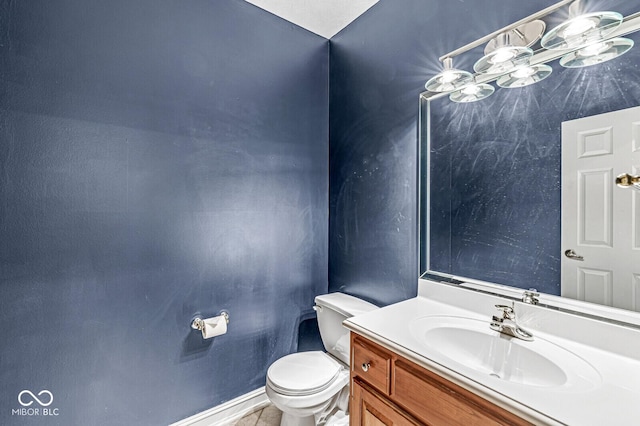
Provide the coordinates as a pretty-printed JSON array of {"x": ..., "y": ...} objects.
[
  {"x": 372, "y": 363},
  {"x": 372, "y": 410},
  {"x": 387, "y": 389}
]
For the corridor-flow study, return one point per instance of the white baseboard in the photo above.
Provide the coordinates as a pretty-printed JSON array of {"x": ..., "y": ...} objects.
[{"x": 225, "y": 414}]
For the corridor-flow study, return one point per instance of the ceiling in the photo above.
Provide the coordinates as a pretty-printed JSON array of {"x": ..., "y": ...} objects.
[{"x": 323, "y": 17}]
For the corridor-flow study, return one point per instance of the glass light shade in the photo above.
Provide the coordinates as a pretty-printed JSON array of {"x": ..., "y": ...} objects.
[
  {"x": 503, "y": 60},
  {"x": 448, "y": 81},
  {"x": 524, "y": 76},
  {"x": 472, "y": 93},
  {"x": 597, "y": 53},
  {"x": 581, "y": 31}
]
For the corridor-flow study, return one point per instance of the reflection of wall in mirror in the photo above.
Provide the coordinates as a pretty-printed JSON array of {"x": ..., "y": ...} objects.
[{"x": 495, "y": 172}]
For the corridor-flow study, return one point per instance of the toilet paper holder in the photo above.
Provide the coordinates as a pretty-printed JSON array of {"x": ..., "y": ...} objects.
[{"x": 198, "y": 322}]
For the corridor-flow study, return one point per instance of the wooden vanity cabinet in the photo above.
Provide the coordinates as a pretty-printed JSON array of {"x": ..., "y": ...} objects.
[
  {"x": 387, "y": 389},
  {"x": 372, "y": 409}
]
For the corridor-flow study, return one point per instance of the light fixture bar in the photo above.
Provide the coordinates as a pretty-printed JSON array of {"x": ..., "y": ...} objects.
[
  {"x": 630, "y": 24},
  {"x": 540, "y": 14}
]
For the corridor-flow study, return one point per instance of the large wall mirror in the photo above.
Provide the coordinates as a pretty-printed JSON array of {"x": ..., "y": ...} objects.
[{"x": 492, "y": 178}]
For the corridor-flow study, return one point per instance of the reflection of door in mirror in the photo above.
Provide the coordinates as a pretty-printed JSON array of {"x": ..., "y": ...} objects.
[{"x": 601, "y": 222}]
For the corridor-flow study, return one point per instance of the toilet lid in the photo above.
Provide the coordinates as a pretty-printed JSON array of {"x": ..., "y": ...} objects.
[{"x": 303, "y": 373}]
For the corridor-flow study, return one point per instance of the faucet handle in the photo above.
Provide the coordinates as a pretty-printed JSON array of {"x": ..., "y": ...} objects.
[
  {"x": 530, "y": 296},
  {"x": 496, "y": 323},
  {"x": 507, "y": 311}
]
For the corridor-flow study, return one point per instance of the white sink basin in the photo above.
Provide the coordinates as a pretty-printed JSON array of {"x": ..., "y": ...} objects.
[{"x": 484, "y": 353}]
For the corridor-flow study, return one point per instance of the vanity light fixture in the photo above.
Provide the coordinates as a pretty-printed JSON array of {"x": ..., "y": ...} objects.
[
  {"x": 581, "y": 31},
  {"x": 524, "y": 76},
  {"x": 585, "y": 39},
  {"x": 505, "y": 58},
  {"x": 597, "y": 53},
  {"x": 449, "y": 79},
  {"x": 472, "y": 93}
]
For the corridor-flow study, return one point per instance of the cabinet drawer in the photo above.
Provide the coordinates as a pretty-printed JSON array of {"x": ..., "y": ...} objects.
[{"x": 371, "y": 363}]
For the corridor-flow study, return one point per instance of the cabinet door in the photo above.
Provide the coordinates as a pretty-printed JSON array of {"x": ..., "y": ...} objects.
[
  {"x": 367, "y": 409},
  {"x": 438, "y": 402}
]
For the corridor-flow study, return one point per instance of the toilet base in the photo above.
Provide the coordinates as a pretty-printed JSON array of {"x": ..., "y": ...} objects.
[
  {"x": 322, "y": 413},
  {"x": 340, "y": 418},
  {"x": 291, "y": 420}
]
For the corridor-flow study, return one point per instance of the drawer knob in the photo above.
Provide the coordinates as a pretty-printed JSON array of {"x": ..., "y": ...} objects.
[{"x": 366, "y": 366}]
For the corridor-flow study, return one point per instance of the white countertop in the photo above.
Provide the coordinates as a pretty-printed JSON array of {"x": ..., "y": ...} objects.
[{"x": 611, "y": 349}]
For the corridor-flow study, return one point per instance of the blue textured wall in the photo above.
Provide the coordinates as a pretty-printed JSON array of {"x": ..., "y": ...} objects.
[
  {"x": 378, "y": 67},
  {"x": 158, "y": 159}
]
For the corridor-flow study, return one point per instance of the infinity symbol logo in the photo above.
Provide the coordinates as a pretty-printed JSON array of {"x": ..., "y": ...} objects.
[{"x": 35, "y": 398}]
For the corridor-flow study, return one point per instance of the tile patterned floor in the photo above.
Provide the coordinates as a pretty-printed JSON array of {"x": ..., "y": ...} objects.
[{"x": 268, "y": 416}]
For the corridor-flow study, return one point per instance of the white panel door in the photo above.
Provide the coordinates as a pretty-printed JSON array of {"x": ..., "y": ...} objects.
[{"x": 600, "y": 225}]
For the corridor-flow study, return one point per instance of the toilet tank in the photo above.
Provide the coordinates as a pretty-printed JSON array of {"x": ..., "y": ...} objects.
[{"x": 332, "y": 309}]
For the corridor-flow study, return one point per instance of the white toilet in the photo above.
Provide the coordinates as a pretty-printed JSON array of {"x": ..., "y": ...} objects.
[{"x": 308, "y": 387}]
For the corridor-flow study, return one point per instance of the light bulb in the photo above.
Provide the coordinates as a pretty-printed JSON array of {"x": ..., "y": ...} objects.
[
  {"x": 525, "y": 76},
  {"x": 472, "y": 93},
  {"x": 502, "y": 55},
  {"x": 523, "y": 72},
  {"x": 579, "y": 26},
  {"x": 448, "y": 76},
  {"x": 594, "y": 49},
  {"x": 503, "y": 60},
  {"x": 471, "y": 90},
  {"x": 449, "y": 79}
]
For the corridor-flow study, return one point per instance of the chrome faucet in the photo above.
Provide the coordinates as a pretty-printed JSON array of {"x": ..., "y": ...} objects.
[{"x": 506, "y": 324}]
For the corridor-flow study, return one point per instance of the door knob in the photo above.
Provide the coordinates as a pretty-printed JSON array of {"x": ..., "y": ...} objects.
[
  {"x": 573, "y": 255},
  {"x": 626, "y": 180}
]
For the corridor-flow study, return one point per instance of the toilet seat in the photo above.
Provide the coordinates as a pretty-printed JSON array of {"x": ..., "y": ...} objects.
[{"x": 303, "y": 373}]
